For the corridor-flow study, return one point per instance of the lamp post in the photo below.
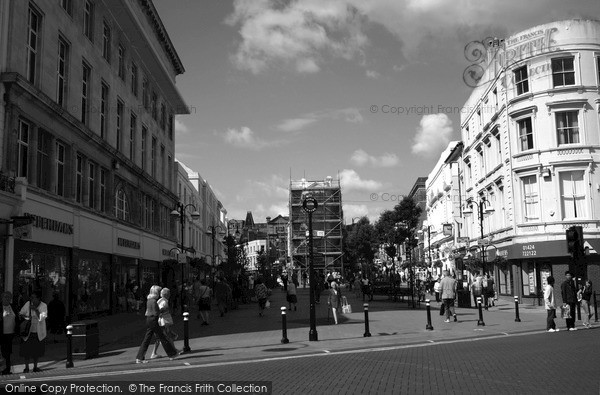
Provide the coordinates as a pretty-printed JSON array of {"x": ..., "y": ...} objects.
[
  {"x": 212, "y": 232},
  {"x": 179, "y": 212},
  {"x": 309, "y": 205},
  {"x": 482, "y": 209}
]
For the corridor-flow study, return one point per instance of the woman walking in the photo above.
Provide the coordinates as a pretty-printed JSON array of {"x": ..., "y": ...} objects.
[
  {"x": 204, "y": 294},
  {"x": 33, "y": 345},
  {"x": 152, "y": 328},
  {"x": 165, "y": 321},
  {"x": 262, "y": 293},
  {"x": 292, "y": 298},
  {"x": 335, "y": 299},
  {"x": 8, "y": 324},
  {"x": 583, "y": 296}
]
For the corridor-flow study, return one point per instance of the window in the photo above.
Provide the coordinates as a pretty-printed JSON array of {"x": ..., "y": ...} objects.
[
  {"x": 163, "y": 116},
  {"x": 153, "y": 157},
  {"x": 132, "y": 129},
  {"x": 481, "y": 161},
  {"x": 23, "y": 149},
  {"x": 145, "y": 92},
  {"x": 163, "y": 167},
  {"x": 43, "y": 160},
  {"x": 79, "y": 179},
  {"x": 153, "y": 106},
  {"x": 91, "y": 185},
  {"x": 170, "y": 172},
  {"x": 563, "y": 72},
  {"x": 148, "y": 212},
  {"x": 88, "y": 20},
  {"x": 85, "y": 91},
  {"x": 106, "y": 41},
  {"x": 67, "y": 5},
  {"x": 121, "y": 65},
  {"x": 572, "y": 193},
  {"x": 103, "y": 175},
  {"x": 521, "y": 80},
  {"x": 498, "y": 149},
  {"x": 502, "y": 207},
  {"x": 60, "y": 169},
  {"x": 495, "y": 100},
  {"x": 103, "y": 110},
  {"x": 567, "y": 127},
  {"x": 33, "y": 42},
  {"x": 531, "y": 198},
  {"x": 525, "y": 134},
  {"x": 598, "y": 69},
  {"x": 119, "y": 124},
  {"x": 171, "y": 126},
  {"x": 61, "y": 71},
  {"x": 143, "y": 148},
  {"x": 121, "y": 205},
  {"x": 134, "y": 79}
]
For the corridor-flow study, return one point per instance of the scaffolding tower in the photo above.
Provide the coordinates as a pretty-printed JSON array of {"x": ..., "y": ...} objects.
[{"x": 327, "y": 224}]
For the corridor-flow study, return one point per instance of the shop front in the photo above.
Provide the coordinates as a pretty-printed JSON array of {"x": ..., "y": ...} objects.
[{"x": 91, "y": 283}]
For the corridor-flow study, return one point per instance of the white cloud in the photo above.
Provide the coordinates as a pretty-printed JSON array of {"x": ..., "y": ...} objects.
[
  {"x": 180, "y": 127},
  {"x": 398, "y": 69},
  {"x": 350, "y": 115},
  {"x": 372, "y": 74},
  {"x": 354, "y": 210},
  {"x": 350, "y": 180},
  {"x": 362, "y": 158},
  {"x": 245, "y": 138},
  {"x": 433, "y": 135}
]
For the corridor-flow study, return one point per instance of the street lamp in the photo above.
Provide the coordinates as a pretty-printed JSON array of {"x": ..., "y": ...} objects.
[
  {"x": 310, "y": 205},
  {"x": 212, "y": 232},
  {"x": 484, "y": 207},
  {"x": 179, "y": 212}
]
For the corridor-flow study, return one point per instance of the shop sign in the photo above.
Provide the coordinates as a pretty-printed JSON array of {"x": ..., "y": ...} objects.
[
  {"x": 128, "y": 243},
  {"x": 528, "y": 250},
  {"x": 51, "y": 224}
]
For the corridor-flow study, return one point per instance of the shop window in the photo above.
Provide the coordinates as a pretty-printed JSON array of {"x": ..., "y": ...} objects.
[
  {"x": 529, "y": 277},
  {"x": 92, "y": 286}
]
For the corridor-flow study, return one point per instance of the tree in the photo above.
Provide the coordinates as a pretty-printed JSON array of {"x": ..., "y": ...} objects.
[
  {"x": 360, "y": 242},
  {"x": 396, "y": 225}
]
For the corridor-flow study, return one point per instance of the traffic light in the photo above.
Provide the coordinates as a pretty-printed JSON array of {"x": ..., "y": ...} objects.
[{"x": 575, "y": 241}]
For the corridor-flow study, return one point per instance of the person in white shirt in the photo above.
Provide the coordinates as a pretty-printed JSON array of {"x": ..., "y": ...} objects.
[
  {"x": 550, "y": 305},
  {"x": 33, "y": 345}
]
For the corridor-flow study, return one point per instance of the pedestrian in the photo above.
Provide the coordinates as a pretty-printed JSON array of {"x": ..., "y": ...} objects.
[
  {"x": 56, "y": 315},
  {"x": 436, "y": 289},
  {"x": 477, "y": 287},
  {"x": 203, "y": 297},
  {"x": 165, "y": 321},
  {"x": 262, "y": 293},
  {"x": 448, "y": 293},
  {"x": 334, "y": 301},
  {"x": 284, "y": 279},
  {"x": 490, "y": 292},
  {"x": 153, "y": 329},
  {"x": 583, "y": 296},
  {"x": 221, "y": 295},
  {"x": 32, "y": 344},
  {"x": 550, "y": 305},
  {"x": 291, "y": 297},
  {"x": 569, "y": 297},
  {"x": 8, "y": 325}
]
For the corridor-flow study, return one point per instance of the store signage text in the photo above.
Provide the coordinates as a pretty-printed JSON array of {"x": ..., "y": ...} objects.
[
  {"x": 51, "y": 224},
  {"x": 128, "y": 243},
  {"x": 529, "y": 250}
]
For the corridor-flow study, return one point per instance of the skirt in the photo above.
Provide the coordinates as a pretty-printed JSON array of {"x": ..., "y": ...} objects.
[
  {"x": 33, "y": 347},
  {"x": 292, "y": 299}
]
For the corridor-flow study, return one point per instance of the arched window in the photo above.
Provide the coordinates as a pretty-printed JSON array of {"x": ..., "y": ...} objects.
[{"x": 121, "y": 205}]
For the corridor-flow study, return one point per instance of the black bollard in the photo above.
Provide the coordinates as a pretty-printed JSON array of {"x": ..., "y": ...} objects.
[
  {"x": 366, "y": 308},
  {"x": 69, "y": 346},
  {"x": 517, "y": 318},
  {"x": 595, "y": 308},
  {"x": 284, "y": 338},
  {"x": 429, "y": 327},
  {"x": 186, "y": 332},
  {"x": 480, "y": 320}
]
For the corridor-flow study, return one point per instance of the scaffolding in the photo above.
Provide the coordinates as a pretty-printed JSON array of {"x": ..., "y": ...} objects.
[{"x": 327, "y": 224}]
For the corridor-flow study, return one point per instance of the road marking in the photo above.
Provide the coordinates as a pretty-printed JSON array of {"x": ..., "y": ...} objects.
[
  {"x": 430, "y": 341},
  {"x": 326, "y": 351},
  {"x": 504, "y": 333},
  {"x": 186, "y": 365}
]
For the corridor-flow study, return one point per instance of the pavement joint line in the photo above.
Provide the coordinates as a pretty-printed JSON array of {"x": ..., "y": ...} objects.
[{"x": 271, "y": 359}]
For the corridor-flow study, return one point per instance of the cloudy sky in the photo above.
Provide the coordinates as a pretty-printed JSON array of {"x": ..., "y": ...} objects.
[{"x": 363, "y": 90}]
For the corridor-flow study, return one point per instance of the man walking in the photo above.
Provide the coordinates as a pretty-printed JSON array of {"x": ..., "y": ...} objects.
[
  {"x": 448, "y": 291},
  {"x": 550, "y": 305},
  {"x": 569, "y": 297}
]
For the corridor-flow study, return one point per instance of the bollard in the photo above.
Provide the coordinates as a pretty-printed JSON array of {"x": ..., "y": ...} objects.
[
  {"x": 69, "y": 346},
  {"x": 480, "y": 320},
  {"x": 517, "y": 318},
  {"x": 429, "y": 327},
  {"x": 284, "y": 338},
  {"x": 595, "y": 308},
  {"x": 366, "y": 308},
  {"x": 186, "y": 332}
]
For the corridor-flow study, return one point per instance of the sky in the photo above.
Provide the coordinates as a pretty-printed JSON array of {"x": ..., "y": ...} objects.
[{"x": 367, "y": 91}]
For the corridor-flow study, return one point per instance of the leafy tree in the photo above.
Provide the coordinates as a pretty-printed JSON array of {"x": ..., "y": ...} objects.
[{"x": 361, "y": 242}]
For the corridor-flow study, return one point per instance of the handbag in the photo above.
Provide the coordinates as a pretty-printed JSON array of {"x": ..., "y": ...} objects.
[
  {"x": 346, "y": 308},
  {"x": 25, "y": 326},
  {"x": 565, "y": 311}
]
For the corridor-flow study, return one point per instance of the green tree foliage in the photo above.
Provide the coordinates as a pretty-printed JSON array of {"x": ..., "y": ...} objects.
[
  {"x": 396, "y": 225},
  {"x": 360, "y": 242}
]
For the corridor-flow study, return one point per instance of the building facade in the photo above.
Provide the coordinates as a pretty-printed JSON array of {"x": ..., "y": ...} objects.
[
  {"x": 87, "y": 149},
  {"x": 531, "y": 133}
]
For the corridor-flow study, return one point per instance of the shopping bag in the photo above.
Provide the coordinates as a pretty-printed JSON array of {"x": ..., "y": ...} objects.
[
  {"x": 443, "y": 309},
  {"x": 346, "y": 308},
  {"x": 565, "y": 311}
]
